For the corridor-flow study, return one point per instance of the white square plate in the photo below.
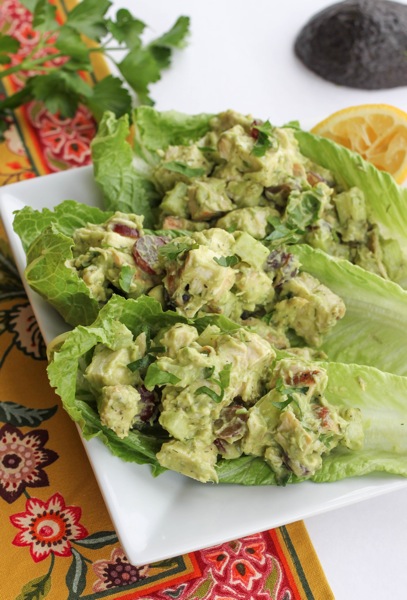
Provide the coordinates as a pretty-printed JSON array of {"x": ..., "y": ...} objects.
[{"x": 158, "y": 518}]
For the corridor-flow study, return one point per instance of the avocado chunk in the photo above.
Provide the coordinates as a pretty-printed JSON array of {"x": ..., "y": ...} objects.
[{"x": 358, "y": 43}]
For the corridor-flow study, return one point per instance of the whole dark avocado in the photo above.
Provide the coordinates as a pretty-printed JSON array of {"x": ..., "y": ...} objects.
[{"x": 358, "y": 43}]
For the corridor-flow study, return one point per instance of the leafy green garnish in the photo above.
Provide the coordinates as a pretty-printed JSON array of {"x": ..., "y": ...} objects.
[
  {"x": 288, "y": 391},
  {"x": 208, "y": 372},
  {"x": 142, "y": 363},
  {"x": 8, "y": 46},
  {"x": 172, "y": 250},
  {"x": 227, "y": 261},
  {"x": 156, "y": 376},
  {"x": 283, "y": 233},
  {"x": 303, "y": 210},
  {"x": 283, "y": 404},
  {"x": 222, "y": 382},
  {"x": 265, "y": 139},
  {"x": 183, "y": 169},
  {"x": 61, "y": 87}
]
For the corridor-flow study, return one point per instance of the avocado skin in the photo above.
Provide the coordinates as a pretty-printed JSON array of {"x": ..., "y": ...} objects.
[{"x": 358, "y": 44}]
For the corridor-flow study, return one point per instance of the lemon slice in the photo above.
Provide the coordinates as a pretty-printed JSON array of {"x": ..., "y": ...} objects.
[{"x": 377, "y": 131}]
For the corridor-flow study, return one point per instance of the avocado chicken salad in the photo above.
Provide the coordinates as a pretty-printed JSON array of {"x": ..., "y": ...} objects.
[{"x": 238, "y": 302}]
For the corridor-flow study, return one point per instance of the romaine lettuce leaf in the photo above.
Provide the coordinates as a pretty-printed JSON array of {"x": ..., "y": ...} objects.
[
  {"x": 48, "y": 274},
  {"x": 156, "y": 130},
  {"x": 376, "y": 310},
  {"x": 123, "y": 170},
  {"x": 386, "y": 201},
  {"x": 46, "y": 237},
  {"x": 381, "y": 398},
  {"x": 374, "y": 328},
  {"x": 69, "y": 215},
  {"x": 125, "y": 187}
]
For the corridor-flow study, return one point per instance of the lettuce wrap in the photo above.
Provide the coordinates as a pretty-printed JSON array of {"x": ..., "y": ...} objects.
[
  {"x": 351, "y": 389},
  {"x": 372, "y": 332},
  {"x": 168, "y": 148}
]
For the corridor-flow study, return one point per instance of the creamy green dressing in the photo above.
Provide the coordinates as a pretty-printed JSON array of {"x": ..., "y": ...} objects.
[
  {"x": 220, "y": 396},
  {"x": 243, "y": 186}
]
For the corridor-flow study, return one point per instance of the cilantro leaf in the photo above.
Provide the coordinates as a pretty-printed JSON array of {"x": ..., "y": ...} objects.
[
  {"x": 18, "y": 98},
  {"x": 69, "y": 42},
  {"x": 60, "y": 87},
  {"x": 87, "y": 17},
  {"x": 208, "y": 372},
  {"x": 109, "y": 94},
  {"x": 223, "y": 382},
  {"x": 172, "y": 250},
  {"x": 283, "y": 233},
  {"x": 44, "y": 16},
  {"x": 140, "y": 69},
  {"x": 143, "y": 65},
  {"x": 183, "y": 169},
  {"x": 8, "y": 45},
  {"x": 224, "y": 375},
  {"x": 155, "y": 376},
  {"x": 227, "y": 261},
  {"x": 288, "y": 391},
  {"x": 176, "y": 37},
  {"x": 61, "y": 91},
  {"x": 283, "y": 404},
  {"x": 265, "y": 139},
  {"x": 126, "y": 29},
  {"x": 284, "y": 389},
  {"x": 303, "y": 209}
]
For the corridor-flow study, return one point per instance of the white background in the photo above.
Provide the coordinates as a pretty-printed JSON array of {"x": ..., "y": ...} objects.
[{"x": 241, "y": 56}]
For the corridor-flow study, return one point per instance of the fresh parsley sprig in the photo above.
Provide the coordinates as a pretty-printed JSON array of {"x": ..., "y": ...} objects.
[{"x": 87, "y": 31}]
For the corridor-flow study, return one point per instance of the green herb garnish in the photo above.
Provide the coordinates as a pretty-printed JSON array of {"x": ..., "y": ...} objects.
[
  {"x": 142, "y": 363},
  {"x": 227, "y": 261},
  {"x": 283, "y": 233},
  {"x": 222, "y": 382},
  {"x": 265, "y": 139},
  {"x": 288, "y": 391},
  {"x": 61, "y": 87},
  {"x": 155, "y": 376},
  {"x": 172, "y": 250}
]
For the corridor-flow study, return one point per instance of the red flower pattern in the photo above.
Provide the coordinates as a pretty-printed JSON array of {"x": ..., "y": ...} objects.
[
  {"x": 237, "y": 570},
  {"x": 48, "y": 527},
  {"x": 64, "y": 142},
  {"x": 22, "y": 460}
]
